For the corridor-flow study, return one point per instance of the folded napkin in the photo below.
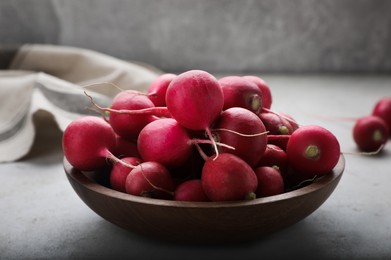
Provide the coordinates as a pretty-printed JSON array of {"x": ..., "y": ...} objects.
[{"x": 53, "y": 79}]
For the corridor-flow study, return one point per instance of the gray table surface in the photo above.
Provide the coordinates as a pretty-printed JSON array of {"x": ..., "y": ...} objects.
[{"x": 41, "y": 216}]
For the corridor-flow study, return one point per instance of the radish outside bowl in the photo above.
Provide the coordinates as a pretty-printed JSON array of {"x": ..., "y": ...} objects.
[{"x": 202, "y": 222}]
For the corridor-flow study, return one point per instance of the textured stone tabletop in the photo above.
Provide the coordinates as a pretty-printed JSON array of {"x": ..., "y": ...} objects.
[{"x": 43, "y": 218}]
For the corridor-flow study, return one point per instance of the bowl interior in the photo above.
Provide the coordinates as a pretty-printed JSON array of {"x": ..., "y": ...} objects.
[{"x": 203, "y": 222}]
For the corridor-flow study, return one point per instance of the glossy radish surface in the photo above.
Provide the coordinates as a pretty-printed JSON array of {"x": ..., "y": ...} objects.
[
  {"x": 267, "y": 98},
  {"x": 190, "y": 190},
  {"x": 276, "y": 125},
  {"x": 370, "y": 133},
  {"x": 245, "y": 134},
  {"x": 382, "y": 109},
  {"x": 158, "y": 88},
  {"x": 240, "y": 92},
  {"x": 129, "y": 126},
  {"x": 88, "y": 142},
  {"x": 313, "y": 150},
  {"x": 270, "y": 181},
  {"x": 119, "y": 173},
  {"x": 195, "y": 99},
  {"x": 165, "y": 141},
  {"x": 274, "y": 156},
  {"x": 150, "y": 179},
  {"x": 228, "y": 178}
]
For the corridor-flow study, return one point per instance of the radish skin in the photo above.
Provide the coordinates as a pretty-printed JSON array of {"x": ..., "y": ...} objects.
[
  {"x": 228, "y": 178},
  {"x": 382, "y": 109},
  {"x": 195, "y": 99},
  {"x": 313, "y": 150},
  {"x": 190, "y": 190},
  {"x": 150, "y": 179},
  {"x": 88, "y": 142},
  {"x": 237, "y": 121},
  {"x": 270, "y": 181},
  {"x": 274, "y": 156},
  {"x": 119, "y": 173},
  {"x": 157, "y": 90},
  {"x": 167, "y": 142},
  {"x": 240, "y": 92},
  {"x": 267, "y": 99},
  {"x": 370, "y": 133}
]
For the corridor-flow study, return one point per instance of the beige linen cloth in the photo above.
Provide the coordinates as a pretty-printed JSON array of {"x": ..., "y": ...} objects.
[{"x": 53, "y": 78}]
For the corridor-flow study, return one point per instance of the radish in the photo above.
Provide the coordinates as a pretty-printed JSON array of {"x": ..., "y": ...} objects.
[
  {"x": 382, "y": 109},
  {"x": 88, "y": 142},
  {"x": 265, "y": 89},
  {"x": 274, "y": 156},
  {"x": 150, "y": 179},
  {"x": 126, "y": 148},
  {"x": 167, "y": 142},
  {"x": 157, "y": 90},
  {"x": 276, "y": 125},
  {"x": 129, "y": 126},
  {"x": 270, "y": 181},
  {"x": 279, "y": 140},
  {"x": 291, "y": 121},
  {"x": 119, "y": 172},
  {"x": 244, "y": 130},
  {"x": 313, "y": 150},
  {"x": 190, "y": 190},
  {"x": 228, "y": 178},
  {"x": 240, "y": 92},
  {"x": 195, "y": 99},
  {"x": 370, "y": 133}
]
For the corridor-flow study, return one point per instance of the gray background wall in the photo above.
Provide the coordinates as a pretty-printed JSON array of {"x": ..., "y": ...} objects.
[{"x": 215, "y": 35}]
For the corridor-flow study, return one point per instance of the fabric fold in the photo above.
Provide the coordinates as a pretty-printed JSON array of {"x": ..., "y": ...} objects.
[{"x": 53, "y": 79}]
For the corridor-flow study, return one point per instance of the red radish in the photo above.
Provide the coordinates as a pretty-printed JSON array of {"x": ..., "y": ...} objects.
[
  {"x": 276, "y": 125},
  {"x": 291, "y": 121},
  {"x": 167, "y": 142},
  {"x": 128, "y": 125},
  {"x": 279, "y": 140},
  {"x": 382, "y": 109},
  {"x": 88, "y": 142},
  {"x": 150, "y": 179},
  {"x": 119, "y": 172},
  {"x": 240, "y": 92},
  {"x": 270, "y": 181},
  {"x": 370, "y": 133},
  {"x": 244, "y": 130},
  {"x": 313, "y": 150},
  {"x": 274, "y": 156},
  {"x": 190, "y": 190},
  {"x": 228, "y": 178},
  {"x": 126, "y": 148},
  {"x": 195, "y": 99},
  {"x": 265, "y": 89},
  {"x": 157, "y": 90}
]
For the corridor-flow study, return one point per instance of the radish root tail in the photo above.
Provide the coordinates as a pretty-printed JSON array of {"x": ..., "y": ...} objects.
[
  {"x": 154, "y": 186},
  {"x": 213, "y": 142},
  {"x": 240, "y": 134}
]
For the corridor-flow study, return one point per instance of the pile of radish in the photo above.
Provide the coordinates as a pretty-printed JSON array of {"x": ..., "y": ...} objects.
[{"x": 193, "y": 137}]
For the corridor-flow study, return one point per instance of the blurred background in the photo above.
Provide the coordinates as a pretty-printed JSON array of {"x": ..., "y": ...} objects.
[{"x": 291, "y": 36}]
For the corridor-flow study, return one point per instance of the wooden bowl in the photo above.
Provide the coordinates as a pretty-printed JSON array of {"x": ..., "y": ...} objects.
[{"x": 203, "y": 222}]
